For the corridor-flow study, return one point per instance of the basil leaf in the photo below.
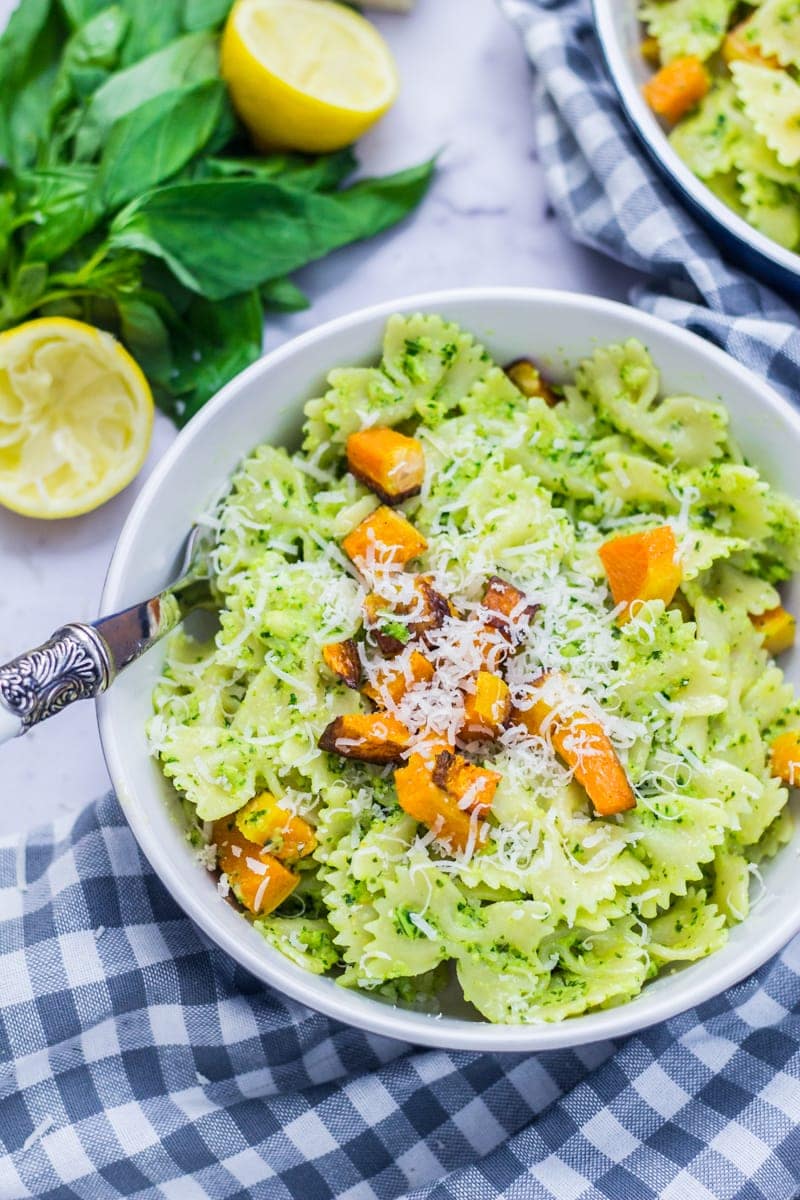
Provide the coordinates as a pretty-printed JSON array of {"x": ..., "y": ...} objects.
[
  {"x": 214, "y": 343},
  {"x": 153, "y": 25},
  {"x": 281, "y": 295},
  {"x": 228, "y": 127},
  {"x": 157, "y": 139},
  {"x": 29, "y": 54},
  {"x": 88, "y": 56},
  {"x": 146, "y": 336},
  {"x": 62, "y": 229},
  {"x": 190, "y": 59},
  {"x": 56, "y": 202},
  {"x": 315, "y": 174},
  {"x": 8, "y": 212},
  {"x": 27, "y": 288},
  {"x": 205, "y": 14},
  {"x": 46, "y": 189},
  {"x": 221, "y": 236},
  {"x": 30, "y": 282},
  {"x": 78, "y": 12}
]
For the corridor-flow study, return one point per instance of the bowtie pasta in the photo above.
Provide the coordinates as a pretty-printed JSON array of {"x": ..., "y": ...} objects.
[
  {"x": 729, "y": 83},
  {"x": 494, "y": 688}
]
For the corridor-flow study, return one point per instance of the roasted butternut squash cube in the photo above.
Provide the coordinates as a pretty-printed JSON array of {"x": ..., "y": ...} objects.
[
  {"x": 398, "y": 680},
  {"x": 430, "y": 609},
  {"x": 384, "y": 537},
  {"x": 505, "y": 601},
  {"x": 370, "y": 737},
  {"x": 777, "y": 629},
  {"x": 739, "y": 46},
  {"x": 263, "y": 820},
  {"x": 527, "y": 378},
  {"x": 390, "y": 631},
  {"x": 394, "y": 627},
  {"x": 642, "y": 566},
  {"x": 259, "y": 881},
  {"x": 342, "y": 659},
  {"x": 785, "y": 757},
  {"x": 494, "y": 647},
  {"x": 430, "y": 747},
  {"x": 487, "y": 708},
  {"x": 387, "y": 462},
  {"x": 677, "y": 88},
  {"x": 584, "y": 746},
  {"x": 651, "y": 51},
  {"x": 419, "y": 796},
  {"x": 470, "y": 786}
]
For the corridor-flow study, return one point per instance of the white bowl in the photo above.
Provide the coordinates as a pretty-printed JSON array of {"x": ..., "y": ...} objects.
[
  {"x": 265, "y": 403},
  {"x": 620, "y": 36}
]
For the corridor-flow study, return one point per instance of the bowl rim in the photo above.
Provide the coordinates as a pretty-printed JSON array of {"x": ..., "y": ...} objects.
[
  {"x": 656, "y": 141},
  {"x": 350, "y": 1006}
]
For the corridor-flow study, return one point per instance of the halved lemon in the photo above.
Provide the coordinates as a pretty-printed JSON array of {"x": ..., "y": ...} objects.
[
  {"x": 76, "y": 416},
  {"x": 305, "y": 74}
]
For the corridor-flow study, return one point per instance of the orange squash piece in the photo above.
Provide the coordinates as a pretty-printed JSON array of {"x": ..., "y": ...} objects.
[
  {"x": 419, "y": 796},
  {"x": 651, "y": 51},
  {"x": 487, "y": 708},
  {"x": 504, "y": 599},
  {"x": 370, "y": 737},
  {"x": 387, "y": 535},
  {"x": 263, "y": 820},
  {"x": 465, "y": 781},
  {"x": 430, "y": 747},
  {"x": 417, "y": 619},
  {"x": 777, "y": 629},
  {"x": 586, "y": 748},
  {"x": 342, "y": 659},
  {"x": 677, "y": 88},
  {"x": 738, "y": 47},
  {"x": 785, "y": 757},
  {"x": 430, "y": 610},
  {"x": 396, "y": 681},
  {"x": 379, "y": 620},
  {"x": 493, "y": 651},
  {"x": 259, "y": 881},
  {"x": 387, "y": 462},
  {"x": 527, "y": 378},
  {"x": 642, "y": 566}
]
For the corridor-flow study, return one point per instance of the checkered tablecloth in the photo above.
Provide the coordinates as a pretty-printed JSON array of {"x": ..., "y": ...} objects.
[{"x": 137, "y": 1060}]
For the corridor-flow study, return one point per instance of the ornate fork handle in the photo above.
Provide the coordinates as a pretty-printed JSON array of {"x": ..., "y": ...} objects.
[
  {"x": 80, "y": 661},
  {"x": 73, "y": 665}
]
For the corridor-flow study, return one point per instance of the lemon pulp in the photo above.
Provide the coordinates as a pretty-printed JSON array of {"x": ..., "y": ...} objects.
[{"x": 76, "y": 416}]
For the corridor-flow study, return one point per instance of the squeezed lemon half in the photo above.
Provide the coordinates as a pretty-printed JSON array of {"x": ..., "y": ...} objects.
[
  {"x": 76, "y": 416},
  {"x": 306, "y": 75}
]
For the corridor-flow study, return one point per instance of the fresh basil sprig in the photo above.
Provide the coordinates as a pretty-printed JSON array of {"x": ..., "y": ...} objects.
[{"x": 131, "y": 197}]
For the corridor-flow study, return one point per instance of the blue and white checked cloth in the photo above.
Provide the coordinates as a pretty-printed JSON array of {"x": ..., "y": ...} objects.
[{"x": 137, "y": 1060}]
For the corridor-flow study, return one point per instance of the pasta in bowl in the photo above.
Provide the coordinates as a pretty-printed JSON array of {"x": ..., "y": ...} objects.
[
  {"x": 711, "y": 87},
  {"x": 737, "y": 119},
  {"x": 494, "y": 686}
]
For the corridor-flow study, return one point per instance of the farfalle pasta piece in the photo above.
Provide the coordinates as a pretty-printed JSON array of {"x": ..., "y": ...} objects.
[
  {"x": 687, "y": 26},
  {"x": 775, "y": 29},
  {"x": 771, "y": 100},
  {"x": 772, "y": 208}
]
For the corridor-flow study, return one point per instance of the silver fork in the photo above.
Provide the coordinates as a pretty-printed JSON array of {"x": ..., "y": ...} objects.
[{"x": 81, "y": 660}]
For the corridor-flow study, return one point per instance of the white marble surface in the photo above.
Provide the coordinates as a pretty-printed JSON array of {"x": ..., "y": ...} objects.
[{"x": 466, "y": 93}]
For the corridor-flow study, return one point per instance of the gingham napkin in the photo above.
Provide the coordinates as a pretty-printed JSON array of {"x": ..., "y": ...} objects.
[{"x": 137, "y": 1060}]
